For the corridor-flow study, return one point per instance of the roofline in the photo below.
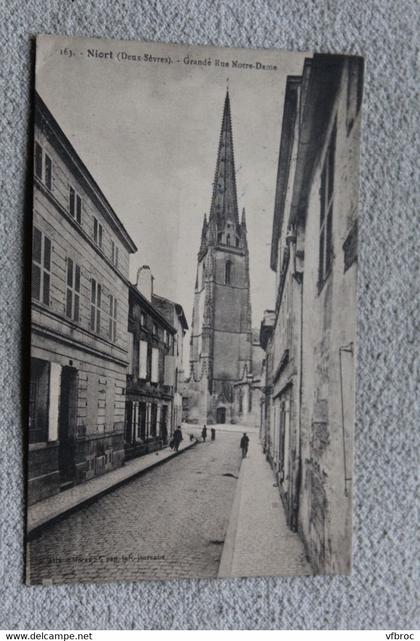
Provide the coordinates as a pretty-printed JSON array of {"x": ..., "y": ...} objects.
[
  {"x": 320, "y": 95},
  {"x": 285, "y": 151},
  {"x": 178, "y": 309},
  {"x": 71, "y": 156},
  {"x": 150, "y": 308},
  {"x": 320, "y": 82}
]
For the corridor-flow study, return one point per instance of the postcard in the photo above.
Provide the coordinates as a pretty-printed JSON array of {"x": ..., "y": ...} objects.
[{"x": 193, "y": 312}]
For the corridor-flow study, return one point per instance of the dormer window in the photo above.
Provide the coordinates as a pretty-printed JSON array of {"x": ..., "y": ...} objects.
[{"x": 228, "y": 240}]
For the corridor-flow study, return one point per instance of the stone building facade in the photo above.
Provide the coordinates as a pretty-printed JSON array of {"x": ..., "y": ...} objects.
[
  {"x": 309, "y": 397},
  {"x": 79, "y": 338},
  {"x": 152, "y": 376},
  {"x": 221, "y": 334},
  {"x": 248, "y": 390},
  {"x": 174, "y": 314}
]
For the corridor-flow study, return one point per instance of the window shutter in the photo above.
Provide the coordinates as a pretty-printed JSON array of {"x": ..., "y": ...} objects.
[
  {"x": 155, "y": 365},
  {"x": 142, "y": 359}
]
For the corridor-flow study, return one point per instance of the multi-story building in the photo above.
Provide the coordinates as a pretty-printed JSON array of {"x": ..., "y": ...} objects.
[
  {"x": 249, "y": 389},
  {"x": 152, "y": 373},
  {"x": 79, "y": 357},
  {"x": 174, "y": 314},
  {"x": 309, "y": 412}
]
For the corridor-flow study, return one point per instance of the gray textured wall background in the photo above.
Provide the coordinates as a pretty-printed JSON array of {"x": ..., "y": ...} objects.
[{"x": 381, "y": 591}]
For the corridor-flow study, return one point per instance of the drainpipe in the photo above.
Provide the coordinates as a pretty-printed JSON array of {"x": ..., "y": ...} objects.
[{"x": 349, "y": 350}]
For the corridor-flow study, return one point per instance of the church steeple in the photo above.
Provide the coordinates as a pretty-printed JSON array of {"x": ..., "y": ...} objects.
[
  {"x": 224, "y": 204},
  {"x": 221, "y": 336}
]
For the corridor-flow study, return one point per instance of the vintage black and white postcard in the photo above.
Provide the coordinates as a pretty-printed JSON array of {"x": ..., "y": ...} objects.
[{"x": 193, "y": 318}]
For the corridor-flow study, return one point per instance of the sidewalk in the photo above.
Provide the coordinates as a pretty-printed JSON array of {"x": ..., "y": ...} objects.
[
  {"x": 56, "y": 506},
  {"x": 258, "y": 541}
]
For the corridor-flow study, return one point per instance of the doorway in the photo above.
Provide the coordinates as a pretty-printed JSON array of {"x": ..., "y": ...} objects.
[
  {"x": 67, "y": 426},
  {"x": 221, "y": 415},
  {"x": 164, "y": 423}
]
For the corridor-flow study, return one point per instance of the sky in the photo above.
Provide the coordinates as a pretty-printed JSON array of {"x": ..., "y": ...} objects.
[{"x": 148, "y": 132}]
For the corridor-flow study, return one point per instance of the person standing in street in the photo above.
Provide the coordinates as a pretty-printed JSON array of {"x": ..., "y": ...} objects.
[
  {"x": 204, "y": 433},
  {"x": 244, "y": 445},
  {"x": 177, "y": 438},
  {"x": 213, "y": 434}
]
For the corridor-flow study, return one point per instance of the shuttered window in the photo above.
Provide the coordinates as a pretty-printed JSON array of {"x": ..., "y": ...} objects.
[
  {"x": 73, "y": 290},
  {"x": 75, "y": 205},
  {"x": 112, "y": 321},
  {"x": 142, "y": 359},
  {"x": 95, "y": 306},
  {"x": 41, "y": 266},
  {"x": 155, "y": 365},
  {"x": 43, "y": 166},
  {"x": 97, "y": 232}
]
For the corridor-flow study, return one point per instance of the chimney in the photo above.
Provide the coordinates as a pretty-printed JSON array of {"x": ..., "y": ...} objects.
[{"x": 144, "y": 282}]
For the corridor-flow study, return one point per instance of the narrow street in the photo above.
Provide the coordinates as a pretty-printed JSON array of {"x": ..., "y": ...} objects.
[
  {"x": 170, "y": 522},
  {"x": 204, "y": 513}
]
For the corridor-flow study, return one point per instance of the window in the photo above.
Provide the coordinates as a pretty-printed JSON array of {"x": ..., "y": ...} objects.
[
  {"x": 228, "y": 240},
  {"x": 250, "y": 399},
  {"x": 149, "y": 361},
  {"x": 114, "y": 253},
  {"x": 142, "y": 422},
  {"x": 112, "y": 326},
  {"x": 326, "y": 212},
  {"x": 165, "y": 336},
  {"x": 97, "y": 232},
  {"x": 43, "y": 166},
  {"x": 38, "y": 400},
  {"x": 153, "y": 420},
  {"x": 38, "y": 161},
  {"x": 219, "y": 237},
  {"x": 142, "y": 319},
  {"x": 155, "y": 329},
  {"x": 228, "y": 273},
  {"x": 41, "y": 266},
  {"x": 75, "y": 205},
  {"x": 95, "y": 306},
  {"x": 73, "y": 290}
]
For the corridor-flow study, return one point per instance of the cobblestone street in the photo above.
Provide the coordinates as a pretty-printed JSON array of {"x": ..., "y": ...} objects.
[{"x": 171, "y": 522}]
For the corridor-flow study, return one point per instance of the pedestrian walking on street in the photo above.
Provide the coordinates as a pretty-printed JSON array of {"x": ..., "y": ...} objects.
[
  {"x": 213, "y": 434},
  {"x": 204, "y": 433},
  {"x": 244, "y": 445},
  {"x": 177, "y": 438}
]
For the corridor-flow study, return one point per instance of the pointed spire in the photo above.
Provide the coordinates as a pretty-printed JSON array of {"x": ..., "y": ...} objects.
[
  {"x": 243, "y": 219},
  {"x": 204, "y": 233},
  {"x": 224, "y": 201},
  {"x": 204, "y": 229}
]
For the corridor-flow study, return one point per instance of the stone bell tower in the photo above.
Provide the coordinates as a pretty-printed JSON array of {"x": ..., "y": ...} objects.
[{"x": 221, "y": 335}]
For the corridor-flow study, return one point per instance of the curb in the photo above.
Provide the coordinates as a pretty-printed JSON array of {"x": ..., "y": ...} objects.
[
  {"x": 35, "y": 530},
  {"x": 226, "y": 560}
]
